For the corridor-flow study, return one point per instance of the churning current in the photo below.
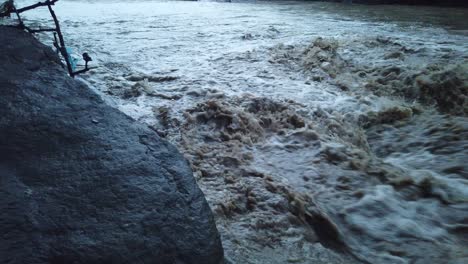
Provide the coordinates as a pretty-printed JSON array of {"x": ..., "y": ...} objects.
[{"x": 319, "y": 132}]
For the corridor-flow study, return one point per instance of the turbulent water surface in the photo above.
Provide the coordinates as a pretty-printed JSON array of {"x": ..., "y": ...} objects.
[{"x": 320, "y": 133}]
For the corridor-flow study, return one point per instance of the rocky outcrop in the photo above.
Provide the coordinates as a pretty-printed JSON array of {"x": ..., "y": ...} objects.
[{"x": 80, "y": 182}]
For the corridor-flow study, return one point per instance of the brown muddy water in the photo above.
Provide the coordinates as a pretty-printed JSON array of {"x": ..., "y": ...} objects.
[{"x": 319, "y": 132}]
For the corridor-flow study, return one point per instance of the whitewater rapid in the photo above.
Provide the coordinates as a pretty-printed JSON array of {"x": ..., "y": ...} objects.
[{"x": 319, "y": 132}]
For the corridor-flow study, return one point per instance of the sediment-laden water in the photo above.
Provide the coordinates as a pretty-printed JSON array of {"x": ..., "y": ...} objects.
[{"x": 319, "y": 133}]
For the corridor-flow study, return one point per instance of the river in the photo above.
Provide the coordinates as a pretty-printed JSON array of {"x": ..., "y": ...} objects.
[{"x": 319, "y": 132}]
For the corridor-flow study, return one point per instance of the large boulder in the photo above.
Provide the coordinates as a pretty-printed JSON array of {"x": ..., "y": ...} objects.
[{"x": 80, "y": 182}]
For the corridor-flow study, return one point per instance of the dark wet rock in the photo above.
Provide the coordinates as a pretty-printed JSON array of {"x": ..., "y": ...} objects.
[{"x": 80, "y": 182}]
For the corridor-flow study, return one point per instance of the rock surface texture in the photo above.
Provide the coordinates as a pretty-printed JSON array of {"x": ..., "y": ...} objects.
[{"x": 80, "y": 182}]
